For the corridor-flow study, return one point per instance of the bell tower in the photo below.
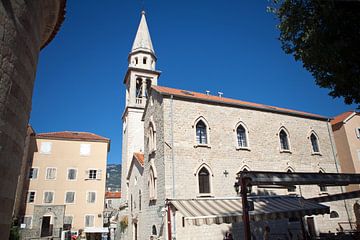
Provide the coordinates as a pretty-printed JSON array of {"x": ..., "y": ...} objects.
[{"x": 139, "y": 78}]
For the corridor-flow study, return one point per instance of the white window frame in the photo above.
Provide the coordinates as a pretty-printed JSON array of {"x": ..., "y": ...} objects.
[
  {"x": 31, "y": 221},
  {"x": 246, "y": 135},
  {"x": 43, "y": 149},
  {"x": 67, "y": 174},
  {"x": 288, "y": 140},
  {"x": 318, "y": 143},
  {"x": 207, "y": 144},
  {"x": 98, "y": 174},
  {"x": 87, "y": 197},
  {"x": 85, "y": 149},
  {"x": 93, "y": 215},
  {"x": 152, "y": 183},
  {"x": 151, "y": 137},
  {"x": 46, "y": 175},
  {"x": 210, "y": 194},
  {"x": 28, "y": 196},
  {"x": 37, "y": 173},
  {"x": 53, "y": 200},
  {"x": 74, "y": 196}
]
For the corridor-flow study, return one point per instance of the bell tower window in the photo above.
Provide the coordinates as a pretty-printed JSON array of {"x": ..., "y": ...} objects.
[{"x": 144, "y": 60}]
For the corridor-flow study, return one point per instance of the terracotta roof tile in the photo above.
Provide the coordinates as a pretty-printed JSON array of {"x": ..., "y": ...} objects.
[
  {"x": 139, "y": 157},
  {"x": 71, "y": 135},
  {"x": 340, "y": 118},
  {"x": 229, "y": 101},
  {"x": 112, "y": 194}
]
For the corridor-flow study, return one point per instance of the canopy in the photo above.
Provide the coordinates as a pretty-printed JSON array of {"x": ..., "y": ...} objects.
[{"x": 229, "y": 210}]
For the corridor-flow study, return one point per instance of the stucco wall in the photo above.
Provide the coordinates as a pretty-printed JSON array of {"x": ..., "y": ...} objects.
[{"x": 64, "y": 155}]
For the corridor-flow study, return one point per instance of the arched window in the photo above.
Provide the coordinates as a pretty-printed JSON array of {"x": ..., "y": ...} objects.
[
  {"x": 291, "y": 188},
  {"x": 334, "y": 214},
  {"x": 152, "y": 138},
  {"x": 284, "y": 141},
  {"x": 241, "y": 136},
  {"x": 322, "y": 187},
  {"x": 314, "y": 143},
  {"x": 139, "y": 200},
  {"x": 144, "y": 60},
  {"x": 153, "y": 230},
  {"x": 201, "y": 136},
  {"x": 138, "y": 88},
  {"x": 152, "y": 185},
  {"x": 204, "y": 180}
]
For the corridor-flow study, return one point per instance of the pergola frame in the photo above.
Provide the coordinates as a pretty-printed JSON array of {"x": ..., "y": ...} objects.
[{"x": 246, "y": 179}]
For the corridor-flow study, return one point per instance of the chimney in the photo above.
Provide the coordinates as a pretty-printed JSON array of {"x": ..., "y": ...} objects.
[
  {"x": 207, "y": 92},
  {"x": 220, "y": 94}
]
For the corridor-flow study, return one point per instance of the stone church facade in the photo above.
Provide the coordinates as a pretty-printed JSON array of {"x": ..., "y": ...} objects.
[{"x": 194, "y": 144}]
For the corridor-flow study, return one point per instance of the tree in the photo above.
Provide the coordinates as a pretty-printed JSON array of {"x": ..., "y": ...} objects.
[{"x": 325, "y": 36}]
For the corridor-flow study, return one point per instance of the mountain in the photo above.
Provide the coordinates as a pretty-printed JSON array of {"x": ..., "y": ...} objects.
[{"x": 113, "y": 177}]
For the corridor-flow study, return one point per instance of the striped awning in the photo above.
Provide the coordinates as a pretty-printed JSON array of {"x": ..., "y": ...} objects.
[{"x": 229, "y": 210}]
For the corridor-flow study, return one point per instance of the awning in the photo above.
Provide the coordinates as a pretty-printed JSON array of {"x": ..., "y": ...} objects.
[
  {"x": 96, "y": 230},
  {"x": 229, "y": 210}
]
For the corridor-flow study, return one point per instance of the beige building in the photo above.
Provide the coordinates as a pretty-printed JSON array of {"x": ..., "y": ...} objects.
[
  {"x": 26, "y": 27},
  {"x": 346, "y": 128},
  {"x": 66, "y": 184},
  {"x": 194, "y": 144}
]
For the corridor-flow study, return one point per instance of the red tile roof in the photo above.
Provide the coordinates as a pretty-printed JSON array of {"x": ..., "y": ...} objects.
[
  {"x": 139, "y": 157},
  {"x": 71, "y": 135},
  {"x": 112, "y": 194},
  {"x": 340, "y": 118},
  {"x": 228, "y": 101}
]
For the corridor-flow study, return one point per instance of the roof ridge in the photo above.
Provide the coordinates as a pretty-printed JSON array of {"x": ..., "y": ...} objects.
[{"x": 233, "y": 101}]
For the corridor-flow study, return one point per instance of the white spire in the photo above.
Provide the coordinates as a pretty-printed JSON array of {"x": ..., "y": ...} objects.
[{"x": 142, "y": 40}]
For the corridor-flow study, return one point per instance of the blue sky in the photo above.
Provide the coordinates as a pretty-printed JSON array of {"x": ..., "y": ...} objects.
[{"x": 229, "y": 46}]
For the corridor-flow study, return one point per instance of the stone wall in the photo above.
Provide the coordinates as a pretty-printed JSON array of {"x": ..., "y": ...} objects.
[
  {"x": 24, "y": 29},
  {"x": 222, "y": 155}
]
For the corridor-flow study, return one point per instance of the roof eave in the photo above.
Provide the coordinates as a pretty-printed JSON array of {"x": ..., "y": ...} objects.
[{"x": 322, "y": 118}]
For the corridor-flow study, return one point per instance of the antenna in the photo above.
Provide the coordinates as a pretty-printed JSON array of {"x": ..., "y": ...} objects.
[
  {"x": 220, "y": 94},
  {"x": 207, "y": 92}
]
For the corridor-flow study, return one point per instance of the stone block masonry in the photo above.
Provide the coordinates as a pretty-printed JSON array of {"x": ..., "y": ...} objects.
[{"x": 25, "y": 27}]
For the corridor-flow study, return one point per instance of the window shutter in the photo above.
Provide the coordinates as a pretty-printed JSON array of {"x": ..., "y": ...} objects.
[
  {"x": 98, "y": 174},
  {"x": 357, "y": 130},
  {"x": 87, "y": 174}
]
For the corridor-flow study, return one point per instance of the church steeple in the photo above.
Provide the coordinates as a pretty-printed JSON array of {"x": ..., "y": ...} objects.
[
  {"x": 143, "y": 40},
  {"x": 140, "y": 76},
  {"x": 142, "y": 53}
]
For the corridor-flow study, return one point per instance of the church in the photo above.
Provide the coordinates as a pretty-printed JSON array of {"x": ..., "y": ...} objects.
[{"x": 182, "y": 150}]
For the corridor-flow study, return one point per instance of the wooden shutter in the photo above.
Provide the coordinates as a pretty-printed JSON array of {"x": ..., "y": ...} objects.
[{"x": 98, "y": 174}]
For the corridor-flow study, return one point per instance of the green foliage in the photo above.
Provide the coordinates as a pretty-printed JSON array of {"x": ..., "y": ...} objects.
[
  {"x": 14, "y": 233},
  {"x": 124, "y": 223},
  {"x": 325, "y": 36}
]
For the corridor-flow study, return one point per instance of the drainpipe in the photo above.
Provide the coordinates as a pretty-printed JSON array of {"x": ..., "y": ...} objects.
[
  {"x": 337, "y": 168},
  {"x": 172, "y": 162}
]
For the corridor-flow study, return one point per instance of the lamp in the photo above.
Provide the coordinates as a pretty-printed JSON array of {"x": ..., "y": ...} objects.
[{"x": 237, "y": 187}]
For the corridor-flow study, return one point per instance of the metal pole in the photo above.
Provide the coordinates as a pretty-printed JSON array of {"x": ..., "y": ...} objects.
[
  {"x": 169, "y": 221},
  {"x": 245, "y": 205}
]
